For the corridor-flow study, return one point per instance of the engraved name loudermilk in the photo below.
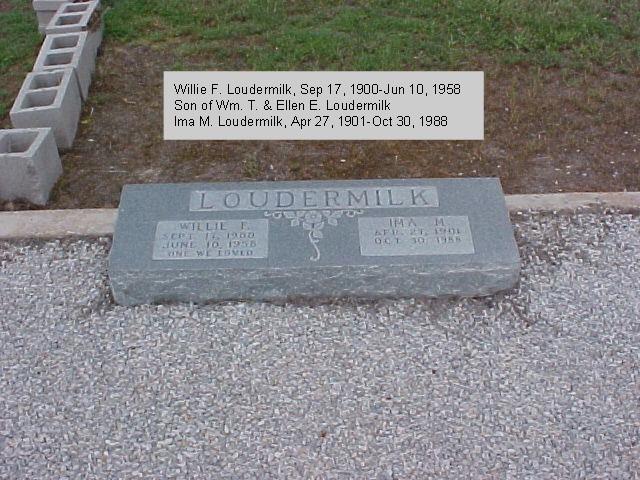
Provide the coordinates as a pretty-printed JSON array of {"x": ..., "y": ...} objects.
[
  {"x": 313, "y": 209},
  {"x": 317, "y": 198}
]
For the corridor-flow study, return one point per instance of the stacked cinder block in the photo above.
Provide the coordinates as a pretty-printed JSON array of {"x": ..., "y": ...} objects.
[
  {"x": 50, "y": 99},
  {"x": 79, "y": 16},
  {"x": 29, "y": 164},
  {"x": 46, "y": 113},
  {"x": 68, "y": 50},
  {"x": 45, "y": 10}
]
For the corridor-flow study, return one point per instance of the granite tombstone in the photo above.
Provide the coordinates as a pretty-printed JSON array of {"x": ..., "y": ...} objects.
[{"x": 312, "y": 239}]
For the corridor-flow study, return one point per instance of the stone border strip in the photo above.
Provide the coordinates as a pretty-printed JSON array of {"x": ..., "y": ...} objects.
[
  {"x": 100, "y": 221},
  {"x": 94, "y": 222},
  {"x": 574, "y": 200}
]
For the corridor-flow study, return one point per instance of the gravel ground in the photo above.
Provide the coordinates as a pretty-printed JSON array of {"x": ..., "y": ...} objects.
[{"x": 539, "y": 383}]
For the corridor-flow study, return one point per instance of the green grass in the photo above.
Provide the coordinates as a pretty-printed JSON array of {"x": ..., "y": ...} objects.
[
  {"x": 365, "y": 35},
  {"x": 19, "y": 40},
  {"x": 387, "y": 35}
]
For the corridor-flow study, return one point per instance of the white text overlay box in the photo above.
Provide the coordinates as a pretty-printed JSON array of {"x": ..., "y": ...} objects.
[{"x": 324, "y": 105}]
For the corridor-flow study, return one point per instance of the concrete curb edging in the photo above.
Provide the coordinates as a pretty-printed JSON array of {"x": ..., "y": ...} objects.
[
  {"x": 92, "y": 222},
  {"x": 573, "y": 200},
  {"x": 101, "y": 221}
]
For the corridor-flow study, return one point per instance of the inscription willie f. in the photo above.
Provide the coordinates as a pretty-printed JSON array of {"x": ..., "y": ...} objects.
[{"x": 211, "y": 239}]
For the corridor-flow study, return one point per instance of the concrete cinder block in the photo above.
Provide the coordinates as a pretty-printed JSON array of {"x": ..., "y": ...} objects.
[
  {"x": 29, "y": 164},
  {"x": 45, "y": 10},
  {"x": 50, "y": 99},
  {"x": 79, "y": 16},
  {"x": 68, "y": 50}
]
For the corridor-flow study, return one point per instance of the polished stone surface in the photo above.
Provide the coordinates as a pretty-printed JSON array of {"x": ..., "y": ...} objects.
[{"x": 284, "y": 240}]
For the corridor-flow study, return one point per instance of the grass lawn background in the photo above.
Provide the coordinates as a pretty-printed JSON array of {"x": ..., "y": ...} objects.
[
  {"x": 369, "y": 35},
  {"x": 560, "y": 79}
]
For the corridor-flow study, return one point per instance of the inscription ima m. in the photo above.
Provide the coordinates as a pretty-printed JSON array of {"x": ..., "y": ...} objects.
[{"x": 301, "y": 199}]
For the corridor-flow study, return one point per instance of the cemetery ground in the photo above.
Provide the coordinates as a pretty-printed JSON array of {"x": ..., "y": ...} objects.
[
  {"x": 562, "y": 110},
  {"x": 540, "y": 382},
  {"x": 537, "y": 382}
]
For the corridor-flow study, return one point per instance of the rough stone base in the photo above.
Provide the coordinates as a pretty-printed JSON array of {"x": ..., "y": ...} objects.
[{"x": 132, "y": 288}]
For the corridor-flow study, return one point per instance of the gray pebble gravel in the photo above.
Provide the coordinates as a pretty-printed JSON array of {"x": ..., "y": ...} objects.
[{"x": 538, "y": 383}]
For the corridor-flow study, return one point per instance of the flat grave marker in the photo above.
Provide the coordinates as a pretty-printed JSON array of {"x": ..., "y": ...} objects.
[{"x": 312, "y": 239}]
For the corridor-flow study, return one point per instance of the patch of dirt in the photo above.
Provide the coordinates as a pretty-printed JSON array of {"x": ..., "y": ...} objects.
[{"x": 544, "y": 132}]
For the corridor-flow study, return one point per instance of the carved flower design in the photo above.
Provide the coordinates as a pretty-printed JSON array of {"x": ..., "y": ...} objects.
[
  {"x": 332, "y": 217},
  {"x": 313, "y": 221},
  {"x": 294, "y": 216}
]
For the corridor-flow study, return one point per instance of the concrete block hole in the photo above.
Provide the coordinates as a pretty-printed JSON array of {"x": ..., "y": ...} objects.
[
  {"x": 55, "y": 59},
  {"x": 75, "y": 7},
  {"x": 69, "y": 41},
  {"x": 17, "y": 142},
  {"x": 46, "y": 80},
  {"x": 68, "y": 19},
  {"x": 39, "y": 99}
]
